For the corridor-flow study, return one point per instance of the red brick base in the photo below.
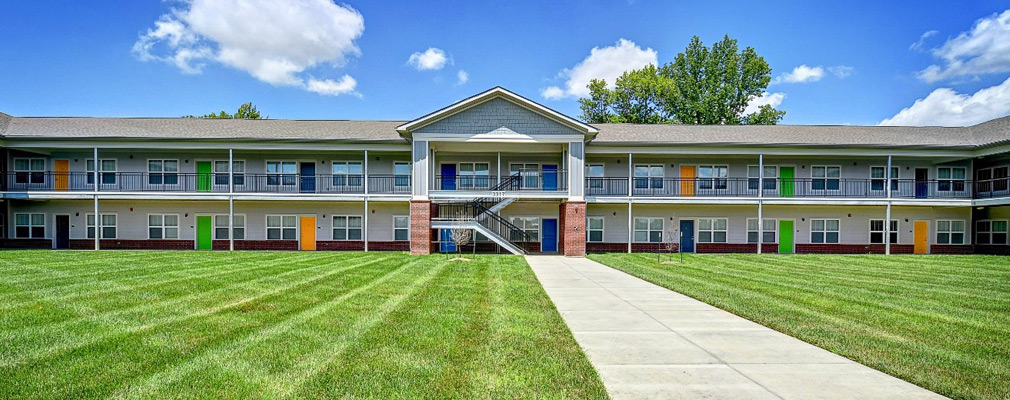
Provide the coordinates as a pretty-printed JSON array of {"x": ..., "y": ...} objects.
[
  {"x": 572, "y": 219},
  {"x": 420, "y": 227},
  {"x": 144, "y": 244},
  {"x": 834, "y": 248},
  {"x": 26, "y": 243}
]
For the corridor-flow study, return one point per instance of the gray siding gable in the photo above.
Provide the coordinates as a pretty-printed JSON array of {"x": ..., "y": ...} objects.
[{"x": 498, "y": 116}]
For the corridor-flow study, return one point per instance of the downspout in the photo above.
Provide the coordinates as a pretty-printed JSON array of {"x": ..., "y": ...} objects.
[{"x": 98, "y": 219}]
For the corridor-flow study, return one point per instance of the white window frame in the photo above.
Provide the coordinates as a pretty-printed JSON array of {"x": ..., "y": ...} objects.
[
  {"x": 471, "y": 179},
  {"x": 163, "y": 227},
  {"x": 825, "y": 231},
  {"x": 280, "y": 177},
  {"x": 649, "y": 230},
  {"x": 895, "y": 172},
  {"x": 90, "y": 225},
  {"x": 590, "y": 229},
  {"x": 396, "y": 228},
  {"x": 31, "y": 174},
  {"x": 894, "y": 232},
  {"x": 238, "y": 172},
  {"x": 990, "y": 232},
  {"x": 530, "y": 172},
  {"x": 162, "y": 173},
  {"x": 950, "y": 232},
  {"x": 774, "y": 230},
  {"x": 402, "y": 180},
  {"x": 595, "y": 182},
  {"x": 954, "y": 184},
  {"x": 651, "y": 180},
  {"x": 716, "y": 179},
  {"x": 712, "y": 230},
  {"x": 102, "y": 171},
  {"x": 281, "y": 228},
  {"x": 826, "y": 178},
  {"x": 236, "y": 228},
  {"x": 346, "y": 178},
  {"x": 31, "y": 226},
  {"x": 523, "y": 222},
  {"x": 771, "y": 178},
  {"x": 993, "y": 183},
  {"x": 347, "y": 228}
]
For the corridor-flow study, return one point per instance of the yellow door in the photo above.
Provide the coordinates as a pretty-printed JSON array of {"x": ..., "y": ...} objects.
[
  {"x": 62, "y": 175},
  {"x": 921, "y": 237},
  {"x": 308, "y": 237},
  {"x": 687, "y": 180}
]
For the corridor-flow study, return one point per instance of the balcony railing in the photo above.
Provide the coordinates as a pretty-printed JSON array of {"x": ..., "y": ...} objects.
[
  {"x": 541, "y": 181},
  {"x": 209, "y": 183},
  {"x": 781, "y": 187}
]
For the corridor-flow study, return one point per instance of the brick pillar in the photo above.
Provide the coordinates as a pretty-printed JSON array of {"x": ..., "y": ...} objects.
[
  {"x": 573, "y": 223},
  {"x": 420, "y": 227}
]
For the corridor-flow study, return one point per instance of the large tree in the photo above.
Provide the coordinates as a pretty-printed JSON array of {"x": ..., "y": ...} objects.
[
  {"x": 245, "y": 111},
  {"x": 702, "y": 85}
]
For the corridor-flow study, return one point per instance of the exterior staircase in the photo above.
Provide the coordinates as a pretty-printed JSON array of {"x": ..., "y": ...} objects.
[{"x": 481, "y": 215}]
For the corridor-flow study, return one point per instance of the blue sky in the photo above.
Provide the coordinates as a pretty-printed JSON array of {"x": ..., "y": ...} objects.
[{"x": 73, "y": 58}]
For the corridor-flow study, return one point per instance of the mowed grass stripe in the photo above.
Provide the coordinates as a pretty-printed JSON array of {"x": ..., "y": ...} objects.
[
  {"x": 95, "y": 265},
  {"x": 940, "y": 322},
  {"x": 78, "y": 341}
]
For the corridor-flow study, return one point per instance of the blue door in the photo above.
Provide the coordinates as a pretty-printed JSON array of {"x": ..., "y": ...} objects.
[
  {"x": 445, "y": 241},
  {"x": 921, "y": 183},
  {"x": 549, "y": 235},
  {"x": 550, "y": 177},
  {"x": 448, "y": 176},
  {"x": 687, "y": 235},
  {"x": 308, "y": 177}
]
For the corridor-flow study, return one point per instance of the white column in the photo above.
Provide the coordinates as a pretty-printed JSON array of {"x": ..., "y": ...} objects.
[
  {"x": 761, "y": 191},
  {"x": 887, "y": 215},
  {"x": 231, "y": 200},
  {"x": 630, "y": 173},
  {"x": 631, "y": 233},
  {"x": 364, "y": 219},
  {"x": 498, "y": 169},
  {"x": 98, "y": 220}
]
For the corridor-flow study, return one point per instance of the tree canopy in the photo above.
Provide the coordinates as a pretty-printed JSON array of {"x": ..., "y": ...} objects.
[
  {"x": 702, "y": 85},
  {"x": 245, "y": 111}
]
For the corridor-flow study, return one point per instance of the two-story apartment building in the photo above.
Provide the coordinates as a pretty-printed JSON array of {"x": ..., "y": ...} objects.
[{"x": 523, "y": 177}]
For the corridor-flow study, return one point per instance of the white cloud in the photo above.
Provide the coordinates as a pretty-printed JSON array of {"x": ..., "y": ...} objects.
[
  {"x": 606, "y": 63},
  {"x": 985, "y": 49},
  {"x": 922, "y": 40},
  {"x": 841, "y": 71},
  {"x": 462, "y": 77},
  {"x": 275, "y": 41},
  {"x": 431, "y": 59},
  {"x": 772, "y": 99},
  {"x": 945, "y": 107},
  {"x": 801, "y": 74}
]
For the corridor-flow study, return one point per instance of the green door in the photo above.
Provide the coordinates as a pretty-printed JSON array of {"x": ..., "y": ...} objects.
[
  {"x": 785, "y": 236},
  {"x": 203, "y": 176},
  {"x": 786, "y": 175},
  {"x": 203, "y": 232}
]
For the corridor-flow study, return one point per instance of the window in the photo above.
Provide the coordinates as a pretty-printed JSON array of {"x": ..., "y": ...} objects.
[
  {"x": 30, "y": 226},
  {"x": 108, "y": 226},
  {"x": 530, "y": 174},
  {"x": 648, "y": 176},
  {"x": 282, "y": 227},
  {"x": 474, "y": 175},
  {"x": 163, "y": 226},
  {"x": 712, "y": 230},
  {"x": 530, "y": 225},
  {"x": 993, "y": 179},
  {"x": 401, "y": 228},
  {"x": 877, "y": 231},
  {"x": 594, "y": 175},
  {"x": 401, "y": 174},
  {"x": 771, "y": 174},
  {"x": 769, "y": 231},
  {"x": 991, "y": 232},
  {"x": 221, "y": 226},
  {"x": 347, "y": 173},
  {"x": 163, "y": 172},
  {"x": 949, "y": 232},
  {"x": 346, "y": 227},
  {"x": 709, "y": 176},
  {"x": 29, "y": 170},
  {"x": 221, "y": 172},
  {"x": 281, "y": 172},
  {"x": 106, "y": 168},
  {"x": 594, "y": 229},
  {"x": 878, "y": 176},
  {"x": 825, "y": 177},
  {"x": 648, "y": 230},
  {"x": 824, "y": 231},
  {"x": 950, "y": 179}
]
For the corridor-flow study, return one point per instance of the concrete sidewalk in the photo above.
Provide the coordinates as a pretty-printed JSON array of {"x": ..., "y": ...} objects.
[{"x": 648, "y": 342}]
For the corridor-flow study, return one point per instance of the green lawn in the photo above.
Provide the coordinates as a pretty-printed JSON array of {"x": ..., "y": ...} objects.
[
  {"x": 281, "y": 325},
  {"x": 942, "y": 322}
]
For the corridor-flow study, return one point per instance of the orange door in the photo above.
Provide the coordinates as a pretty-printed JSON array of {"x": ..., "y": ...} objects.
[
  {"x": 921, "y": 237},
  {"x": 687, "y": 180},
  {"x": 62, "y": 175},
  {"x": 308, "y": 236}
]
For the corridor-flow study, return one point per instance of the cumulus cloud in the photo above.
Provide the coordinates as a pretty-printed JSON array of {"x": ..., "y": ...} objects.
[
  {"x": 772, "y": 99},
  {"x": 275, "y": 41},
  {"x": 606, "y": 63},
  {"x": 918, "y": 45},
  {"x": 801, "y": 74},
  {"x": 985, "y": 49},
  {"x": 431, "y": 59},
  {"x": 945, "y": 107},
  {"x": 462, "y": 77}
]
